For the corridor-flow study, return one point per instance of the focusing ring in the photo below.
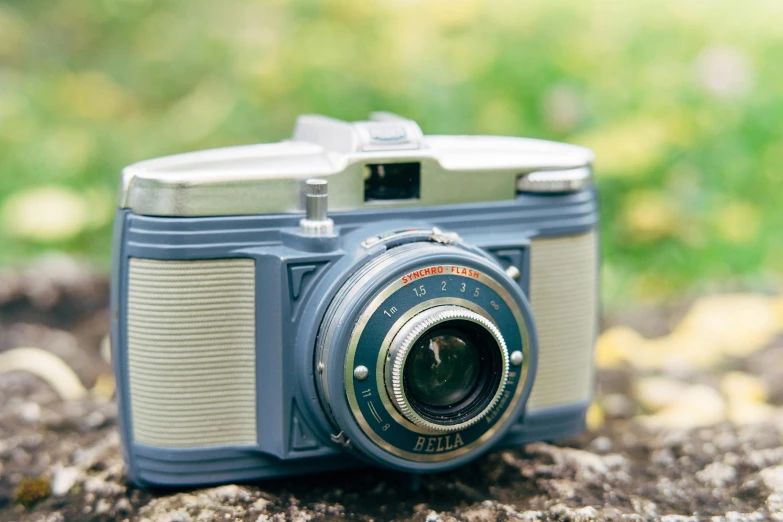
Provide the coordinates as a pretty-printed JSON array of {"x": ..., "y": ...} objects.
[{"x": 401, "y": 349}]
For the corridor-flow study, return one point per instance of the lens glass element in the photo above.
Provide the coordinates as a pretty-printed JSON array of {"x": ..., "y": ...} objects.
[{"x": 442, "y": 368}]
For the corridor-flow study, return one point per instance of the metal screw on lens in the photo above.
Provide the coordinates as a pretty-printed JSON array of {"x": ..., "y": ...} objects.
[
  {"x": 513, "y": 272},
  {"x": 361, "y": 372},
  {"x": 516, "y": 358}
]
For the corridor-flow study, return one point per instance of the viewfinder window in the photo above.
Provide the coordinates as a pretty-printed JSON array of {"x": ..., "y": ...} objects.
[{"x": 392, "y": 181}]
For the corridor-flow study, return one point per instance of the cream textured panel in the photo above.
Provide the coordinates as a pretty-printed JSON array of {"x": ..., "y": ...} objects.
[
  {"x": 563, "y": 290},
  {"x": 191, "y": 352}
]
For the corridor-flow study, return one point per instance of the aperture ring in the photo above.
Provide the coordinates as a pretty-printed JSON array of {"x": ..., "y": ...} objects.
[{"x": 433, "y": 317}]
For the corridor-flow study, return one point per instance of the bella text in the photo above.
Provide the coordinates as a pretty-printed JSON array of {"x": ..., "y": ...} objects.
[{"x": 438, "y": 444}]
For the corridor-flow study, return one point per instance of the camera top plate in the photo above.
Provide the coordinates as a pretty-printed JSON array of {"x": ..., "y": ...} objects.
[{"x": 268, "y": 178}]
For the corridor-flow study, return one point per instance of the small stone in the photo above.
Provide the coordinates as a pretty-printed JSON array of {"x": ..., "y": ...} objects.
[
  {"x": 773, "y": 478},
  {"x": 106, "y": 348},
  {"x": 123, "y": 506},
  {"x": 586, "y": 513},
  {"x": 207, "y": 515},
  {"x": 662, "y": 457},
  {"x": 103, "y": 506},
  {"x": 618, "y": 405},
  {"x": 656, "y": 393},
  {"x": 601, "y": 445},
  {"x": 432, "y": 517},
  {"x": 63, "y": 480},
  {"x": 30, "y": 412},
  {"x": 260, "y": 505},
  {"x": 717, "y": 474},
  {"x": 480, "y": 514},
  {"x": 698, "y": 406},
  {"x": 229, "y": 493},
  {"x": 94, "y": 420},
  {"x": 179, "y": 516}
]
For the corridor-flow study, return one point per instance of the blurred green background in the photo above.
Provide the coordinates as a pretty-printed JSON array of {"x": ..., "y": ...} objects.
[{"x": 681, "y": 100}]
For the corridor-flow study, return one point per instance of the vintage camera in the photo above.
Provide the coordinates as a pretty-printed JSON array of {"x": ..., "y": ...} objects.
[{"x": 445, "y": 306}]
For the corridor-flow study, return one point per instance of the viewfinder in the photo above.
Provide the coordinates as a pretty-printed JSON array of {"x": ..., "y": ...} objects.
[{"x": 392, "y": 181}]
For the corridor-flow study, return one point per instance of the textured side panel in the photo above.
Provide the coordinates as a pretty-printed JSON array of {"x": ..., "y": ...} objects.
[
  {"x": 563, "y": 290},
  {"x": 191, "y": 352}
]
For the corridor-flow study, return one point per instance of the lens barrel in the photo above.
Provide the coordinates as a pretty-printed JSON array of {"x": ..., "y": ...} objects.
[
  {"x": 412, "y": 362},
  {"x": 447, "y": 367}
]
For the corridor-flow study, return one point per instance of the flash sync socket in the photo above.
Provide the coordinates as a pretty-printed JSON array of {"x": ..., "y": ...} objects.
[{"x": 392, "y": 181}]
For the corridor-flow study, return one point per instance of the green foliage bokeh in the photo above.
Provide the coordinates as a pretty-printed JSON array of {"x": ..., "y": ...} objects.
[{"x": 681, "y": 100}]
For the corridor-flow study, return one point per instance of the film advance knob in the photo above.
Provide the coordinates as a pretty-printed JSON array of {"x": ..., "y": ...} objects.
[{"x": 316, "y": 222}]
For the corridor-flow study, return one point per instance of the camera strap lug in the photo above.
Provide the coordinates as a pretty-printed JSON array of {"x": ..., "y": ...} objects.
[{"x": 342, "y": 440}]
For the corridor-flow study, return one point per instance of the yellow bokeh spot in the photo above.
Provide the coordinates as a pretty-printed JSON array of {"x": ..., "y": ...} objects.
[
  {"x": 46, "y": 213},
  {"x": 714, "y": 328},
  {"x": 628, "y": 148},
  {"x": 654, "y": 286},
  {"x": 91, "y": 95},
  {"x": 649, "y": 215},
  {"x": 777, "y": 309},
  {"x": 447, "y": 13},
  {"x": 743, "y": 388},
  {"x": 734, "y": 324},
  {"x": 738, "y": 222},
  {"x": 747, "y": 395},
  {"x": 614, "y": 346},
  {"x": 499, "y": 116},
  {"x": 595, "y": 417}
]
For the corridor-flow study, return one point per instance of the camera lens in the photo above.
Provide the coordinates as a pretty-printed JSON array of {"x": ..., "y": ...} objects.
[
  {"x": 447, "y": 368},
  {"x": 443, "y": 368}
]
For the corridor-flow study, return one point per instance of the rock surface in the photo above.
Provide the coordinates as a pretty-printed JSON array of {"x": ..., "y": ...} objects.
[{"x": 711, "y": 452}]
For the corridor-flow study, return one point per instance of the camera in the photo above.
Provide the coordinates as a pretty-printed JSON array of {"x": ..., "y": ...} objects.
[{"x": 360, "y": 294}]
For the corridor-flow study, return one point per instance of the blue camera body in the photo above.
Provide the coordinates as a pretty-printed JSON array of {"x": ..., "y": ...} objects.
[{"x": 255, "y": 336}]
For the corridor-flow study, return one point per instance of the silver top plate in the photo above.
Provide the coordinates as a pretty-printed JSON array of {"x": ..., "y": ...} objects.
[{"x": 268, "y": 179}]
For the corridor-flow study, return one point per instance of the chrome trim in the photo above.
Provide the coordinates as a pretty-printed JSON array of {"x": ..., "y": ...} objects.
[
  {"x": 383, "y": 353},
  {"x": 400, "y": 348},
  {"x": 266, "y": 179},
  {"x": 554, "y": 181}
]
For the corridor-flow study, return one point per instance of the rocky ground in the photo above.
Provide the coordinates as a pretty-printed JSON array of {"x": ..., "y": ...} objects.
[{"x": 686, "y": 426}]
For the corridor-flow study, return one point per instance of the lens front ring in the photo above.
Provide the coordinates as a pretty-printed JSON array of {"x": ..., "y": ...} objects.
[{"x": 479, "y": 402}]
